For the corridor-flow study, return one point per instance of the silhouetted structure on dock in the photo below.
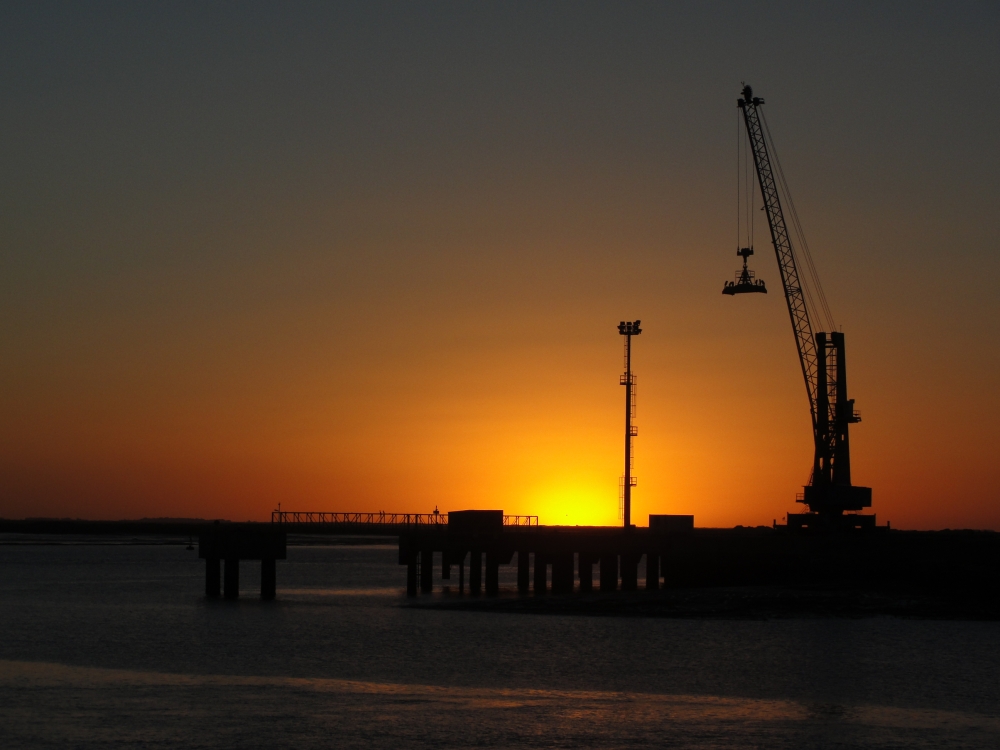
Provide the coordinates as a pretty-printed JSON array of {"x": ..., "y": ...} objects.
[
  {"x": 570, "y": 551},
  {"x": 390, "y": 524},
  {"x": 562, "y": 559},
  {"x": 678, "y": 555},
  {"x": 628, "y": 329},
  {"x": 833, "y": 500},
  {"x": 231, "y": 542}
]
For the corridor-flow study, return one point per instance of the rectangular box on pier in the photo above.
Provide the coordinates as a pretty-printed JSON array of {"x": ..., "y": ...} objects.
[{"x": 669, "y": 523}]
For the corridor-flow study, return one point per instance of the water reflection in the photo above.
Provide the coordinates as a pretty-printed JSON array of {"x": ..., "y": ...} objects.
[{"x": 383, "y": 714}]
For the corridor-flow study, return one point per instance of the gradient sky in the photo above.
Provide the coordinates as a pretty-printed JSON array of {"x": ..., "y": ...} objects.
[{"x": 372, "y": 256}]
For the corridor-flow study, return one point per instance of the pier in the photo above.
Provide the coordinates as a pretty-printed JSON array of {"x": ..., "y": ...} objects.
[
  {"x": 672, "y": 554},
  {"x": 470, "y": 548},
  {"x": 230, "y": 543},
  {"x": 545, "y": 555}
]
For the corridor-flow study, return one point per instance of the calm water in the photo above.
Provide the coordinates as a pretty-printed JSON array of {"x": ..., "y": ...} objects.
[{"x": 106, "y": 646}]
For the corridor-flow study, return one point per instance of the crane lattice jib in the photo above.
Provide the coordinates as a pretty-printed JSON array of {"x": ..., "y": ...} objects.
[{"x": 797, "y": 309}]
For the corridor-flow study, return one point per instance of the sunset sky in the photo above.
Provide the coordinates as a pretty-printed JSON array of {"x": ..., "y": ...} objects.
[{"x": 373, "y": 256}]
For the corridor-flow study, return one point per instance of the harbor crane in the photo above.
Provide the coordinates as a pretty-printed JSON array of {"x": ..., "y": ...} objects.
[{"x": 832, "y": 500}]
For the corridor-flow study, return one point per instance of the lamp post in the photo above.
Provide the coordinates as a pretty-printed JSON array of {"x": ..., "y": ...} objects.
[{"x": 628, "y": 329}]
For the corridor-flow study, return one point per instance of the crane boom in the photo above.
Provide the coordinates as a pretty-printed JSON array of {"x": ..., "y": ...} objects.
[
  {"x": 797, "y": 310},
  {"x": 821, "y": 355}
]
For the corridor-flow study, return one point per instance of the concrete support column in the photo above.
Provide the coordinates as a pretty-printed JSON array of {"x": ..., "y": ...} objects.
[
  {"x": 609, "y": 571},
  {"x": 523, "y": 571},
  {"x": 630, "y": 572},
  {"x": 213, "y": 578},
  {"x": 461, "y": 575},
  {"x": 426, "y": 571},
  {"x": 445, "y": 566},
  {"x": 652, "y": 571},
  {"x": 540, "y": 573},
  {"x": 476, "y": 572},
  {"x": 268, "y": 579},
  {"x": 562, "y": 573},
  {"x": 586, "y": 566},
  {"x": 231, "y": 588},
  {"x": 411, "y": 574},
  {"x": 492, "y": 574}
]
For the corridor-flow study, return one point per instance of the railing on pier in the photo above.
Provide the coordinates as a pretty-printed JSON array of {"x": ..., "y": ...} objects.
[
  {"x": 520, "y": 520},
  {"x": 379, "y": 519},
  {"x": 369, "y": 519}
]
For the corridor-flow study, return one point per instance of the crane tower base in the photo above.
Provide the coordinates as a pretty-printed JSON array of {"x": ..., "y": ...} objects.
[{"x": 836, "y": 499}]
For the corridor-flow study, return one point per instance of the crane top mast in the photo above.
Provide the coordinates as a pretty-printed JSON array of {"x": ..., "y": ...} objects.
[{"x": 821, "y": 355}]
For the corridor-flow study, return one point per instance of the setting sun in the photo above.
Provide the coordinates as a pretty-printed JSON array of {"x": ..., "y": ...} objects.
[{"x": 574, "y": 501}]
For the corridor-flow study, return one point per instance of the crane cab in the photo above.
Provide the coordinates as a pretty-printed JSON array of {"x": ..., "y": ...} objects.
[{"x": 746, "y": 282}]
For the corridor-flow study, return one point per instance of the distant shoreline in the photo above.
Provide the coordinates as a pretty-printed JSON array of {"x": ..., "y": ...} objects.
[{"x": 75, "y": 539}]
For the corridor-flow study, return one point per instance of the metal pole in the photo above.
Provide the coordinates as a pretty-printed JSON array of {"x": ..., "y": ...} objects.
[
  {"x": 628, "y": 329},
  {"x": 627, "y": 512}
]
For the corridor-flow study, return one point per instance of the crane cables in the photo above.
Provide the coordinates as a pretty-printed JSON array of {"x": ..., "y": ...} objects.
[
  {"x": 745, "y": 188},
  {"x": 813, "y": 286}
]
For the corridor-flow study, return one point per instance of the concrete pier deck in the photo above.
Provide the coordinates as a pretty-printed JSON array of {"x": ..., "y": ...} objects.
[{"x": 553, "y": 559}]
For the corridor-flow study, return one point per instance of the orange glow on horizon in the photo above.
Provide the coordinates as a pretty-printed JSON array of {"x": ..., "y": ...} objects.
[
  {"x": 389, "y": 289},
  {"x": 723, "y": 434},
  {"x": 574, "y": 501}
]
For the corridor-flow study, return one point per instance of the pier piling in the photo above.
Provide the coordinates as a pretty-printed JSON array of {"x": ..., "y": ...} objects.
[
  {"x": 540, "y": 573},
  {"x": 213, "y": 578},
  {"x": 586, "y": 567},
  {"x": 630, "y": 571},
  {"x": 523, "y": 571},
  {"x": 426, "y": 571},
  {"x": 609, "y": 572},
  {"x": 232, "y": 578},
  {"x": 562, "y": 573},
  {"x": 476, "y": 573},
  {"x": 652, "y": 571},
  {"x": 492, "y": 574},
  {"x": 411, "y": 575},
  {"x": 268, "y": 578}
]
